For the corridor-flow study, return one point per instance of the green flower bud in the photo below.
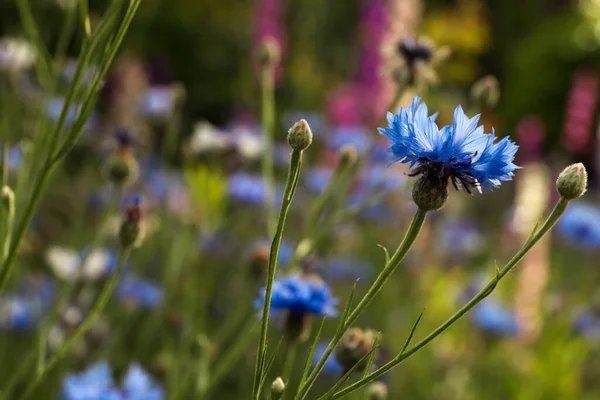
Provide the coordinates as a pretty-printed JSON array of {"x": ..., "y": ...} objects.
[
  {"x": 348, "y": 155},
  {"x": 269, "y": 52},
  {"x": 354, "y": 345},
  {"x": 277, "y": 388},
  {"x": 130, "y": 233},
  {"x": 8, "y": 197},
  {"x": 300, "y": 136},
  {"x": 377, "y": 391},
  {"x": 486, "y": 92},
  {"x": 572, "y": 182},
  {"x": 430, "y": 193},
  {"x": 123, "y": 170}
]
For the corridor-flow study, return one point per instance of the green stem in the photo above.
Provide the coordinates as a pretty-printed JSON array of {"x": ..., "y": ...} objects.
[
  {"x": 268, "y": 125},
  {"x": 407, "y": 242},
  {"x": 290, "y": 189},
  {"x": 558, "y": 210},
  {"x": 53, "y": 159},
  {"x": 43, "y": 64},
  {"x": 83, "y": 328},
  {"x": 9, "y": 197},
  {"x": 288, "y": 365}
]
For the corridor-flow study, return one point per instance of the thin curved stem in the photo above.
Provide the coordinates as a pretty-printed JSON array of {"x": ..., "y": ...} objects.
[
  {"x": 409, "y": 239},
  {"x": 558, "y": 210},
  {"x": 82, "y": 329},
  {"x": 290, "y": 189}
]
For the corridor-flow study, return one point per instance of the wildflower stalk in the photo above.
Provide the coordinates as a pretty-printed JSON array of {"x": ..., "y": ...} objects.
[
  {"x": 8, "y": 196},
  {"x": 536, "y": 236},
  {"x": 85, "y": 325},
  {"x": 290, "y": 188},
  {"x": 42, "y": 66},
  {"x": 410, "y": 237},
  {"x": 53, "y": 159},
  {"x": 290, "y": 359},
  {"x": 268, "y": 125}
]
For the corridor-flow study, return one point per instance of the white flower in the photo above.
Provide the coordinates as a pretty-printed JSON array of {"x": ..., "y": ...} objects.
[
  {"x": 16, "y": 54},
  {"x": 250, "y": 145},
  {"x": 70, "y": 265},
  {"x": 207, "y": 138}
]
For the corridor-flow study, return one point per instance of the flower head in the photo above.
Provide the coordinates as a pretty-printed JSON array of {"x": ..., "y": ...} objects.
[
  {"x": 140, "y": 292},
  {"x": 580, "y": 225},
  {"x": 300, "y": 296},
  {"x": 461, "y": 153},
  {"x": 491, "y": 316},
  {"x": 96, "y": 383}
]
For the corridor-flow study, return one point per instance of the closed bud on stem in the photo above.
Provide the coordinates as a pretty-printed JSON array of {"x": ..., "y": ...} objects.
[
  {"x": 269, "y": 52},
  {"x": 130, "y": 233},
  {"x": 277, "y": 388},
  {"x": 572, "y": 182},
  {"x": 123, "y": 169},
  {"x": 430, "y": 193},
  {"x": 377, "y": 391},
  {"x": 259, "y": 260},
  {"x": 354, "y": 345},
  {"x": 486, "y": 92},
  {"x": 348, "y": 155},
  {"x": 8, "y": 197},
  {"x": 300, "y": 136}
]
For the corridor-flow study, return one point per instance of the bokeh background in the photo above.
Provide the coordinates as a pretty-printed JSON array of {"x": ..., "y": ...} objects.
[{"x": 185, "y": 87}]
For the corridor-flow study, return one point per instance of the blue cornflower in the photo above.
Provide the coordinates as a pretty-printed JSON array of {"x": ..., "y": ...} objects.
[
  {"x": 138, "y": 385},
  {"x": 461, "y": 152},
  {"x": 300, "y": 296},
  {"x": 492, "y": 317},
  {"x": 140, "y": 292},
  {"x": 580, "y": 225},
  {"x": 96, "y": 383},
  {"x": 332, "y": 365},
  {"x": 19, "y": 313}
]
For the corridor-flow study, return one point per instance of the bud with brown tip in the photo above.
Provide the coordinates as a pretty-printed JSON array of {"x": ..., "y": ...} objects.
[
  {"x": 300, "y": 136},
  {"x": 486, "y": 92},
  {"x": 572, "y": 182},
  {"x": 269, "y": 52}
]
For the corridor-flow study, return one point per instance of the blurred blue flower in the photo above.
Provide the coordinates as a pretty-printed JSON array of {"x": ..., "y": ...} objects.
[
  {"x": 492, "y": 317},
  {"x": 249, "y": 189},
  {"x": 140, "y": 292},
  {"x": 345, "y": 268},
  {"x": 300, "y": 296},
  {"x": 158, "y": 102},
  {"x": 458, "y": 238},
  {"x": 96, "y": 383},
  {"x": 19, "y": 313},
  {"x": 54, "y": 109},
  {"x": 15, "y": 157},
  {"x": 460, "y": 152},
  {"x": 587, "y": 324},
  {"x": 379, "y": 177},
  {"x": 138, "y": 385},
  {"x": 580, "y": 225},
  {"x": 332, "y": 366},
  {"x": 316, "y": 179},
  {"x": 357, "y": 136}
]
